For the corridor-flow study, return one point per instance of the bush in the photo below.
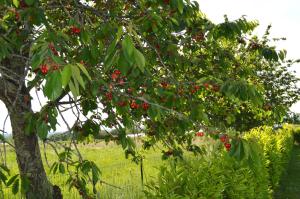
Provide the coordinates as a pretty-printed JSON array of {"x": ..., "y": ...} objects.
[
  {"x": 216, "y": 176},
  {"x": 221, "y": 176},
  {"x": 296, "y": 132},
  {"x": 277, "y": 147}
]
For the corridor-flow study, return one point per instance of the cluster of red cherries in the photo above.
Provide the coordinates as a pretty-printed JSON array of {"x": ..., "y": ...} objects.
[{"x": 223, "y": 138}]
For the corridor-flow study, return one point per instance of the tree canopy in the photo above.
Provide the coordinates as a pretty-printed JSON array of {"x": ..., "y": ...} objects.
[{"x": 157, "y": 65}]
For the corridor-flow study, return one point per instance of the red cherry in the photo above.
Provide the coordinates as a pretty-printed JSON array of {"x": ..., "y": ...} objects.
[
  {"x": 223, "y": 137},
  {"x": 75, "y": 30},
  {"x": 206, "y": 85},
  {"x": 227, "y": 146},
  {"x": 134, "y": 105},
  {"x": 114, "y": 76},
  {"x": 166, "y": 1},
  {"x": 52, "y": 48},
  {"x": 109, "y": 96},
  {"x": 145, "y": 106},
  {"x": 196, "y": 87},
  {"x": 118, "y": 72},
  {"x": 200, "y": 134},
  {"x": 44, "y": 69}
]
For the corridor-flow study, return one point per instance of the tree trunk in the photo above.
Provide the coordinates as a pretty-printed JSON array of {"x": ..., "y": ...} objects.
[
  {"x": 27, "y": 148},
  {"x": 28, "y": 156}
]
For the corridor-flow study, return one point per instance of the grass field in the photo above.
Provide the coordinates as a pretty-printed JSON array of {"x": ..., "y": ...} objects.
[{"x": 115, "y": 168}]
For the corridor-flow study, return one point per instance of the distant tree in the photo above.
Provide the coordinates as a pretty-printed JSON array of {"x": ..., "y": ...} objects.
[{"x": 293, "y": 118}]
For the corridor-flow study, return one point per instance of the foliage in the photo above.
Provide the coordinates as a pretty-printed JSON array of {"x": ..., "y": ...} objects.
[
  {"x": 277, "y": 146},
  {"x": 219, "y": 175},
  {"x": 161, "y": 66},
  {"x": 296, "y": 132},
  {"x": 292, "y": 118},
  {"x": 215, "y": 176}
]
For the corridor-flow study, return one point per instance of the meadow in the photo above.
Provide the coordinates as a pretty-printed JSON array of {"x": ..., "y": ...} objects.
[{"x": 116, "y": 170}]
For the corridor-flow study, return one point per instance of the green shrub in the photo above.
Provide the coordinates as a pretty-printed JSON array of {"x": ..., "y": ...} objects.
[
  {"x": 218, "y": 175},
  {"x": 296, "y": 131},
  {"x": 277, "y": 146},
  {"x": 211, "y": 176}
]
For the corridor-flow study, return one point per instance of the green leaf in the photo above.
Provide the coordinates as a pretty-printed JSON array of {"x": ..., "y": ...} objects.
[
  {"x": 83, "y": 69},
  {"x": 42, "y": 130},
  {"x": 77, "y": 77},
  {"x": 66, "y": 75},
  {"x": 237, "y": 150},
  {"x": 25, "y": 184},
  {"x": 15, "y": 187},
  {"x": 180, "y": 6},
  {"x": 85, "y": 37},
  {"x": 53, "y": 86},
  {"x": 30, "y": 124},
  {"x": 2, "y": 138},
  {"x": 36, "y": 61},
  {"x": 139, "y": 59},
  {"x": 29, "y": 2},
  {"x": 128, "y": 48},
  {"x": 73, "y": 90},
  {"x": 4, "y": 167},
  {"x": 11, "y": 180},
  {"x": 61, "y": 168},
  {"x": 16, "y": 3},
  {"x": 57, "y": 60},
  {"x": 3, "y": 177}
]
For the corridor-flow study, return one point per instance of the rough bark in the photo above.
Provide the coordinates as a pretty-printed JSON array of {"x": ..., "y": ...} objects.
[{"x": 27, "y": 148}]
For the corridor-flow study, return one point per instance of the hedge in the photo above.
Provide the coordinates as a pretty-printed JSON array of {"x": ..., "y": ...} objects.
[
  {"x": 296, "y": 132},
  {"x": 219, "y": 175}
]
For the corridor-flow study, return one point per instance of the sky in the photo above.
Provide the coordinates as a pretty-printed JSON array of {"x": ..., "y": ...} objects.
[{"x": 284, "y": 16}]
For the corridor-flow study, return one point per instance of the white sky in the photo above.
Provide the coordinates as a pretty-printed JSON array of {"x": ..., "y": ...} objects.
[{"x": 283, "y": 15}]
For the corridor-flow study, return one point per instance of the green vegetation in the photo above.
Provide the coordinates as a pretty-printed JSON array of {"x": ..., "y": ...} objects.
[
  {"x": 214, "y": 174},
  {"x": 219, "y": 175},
  {"x": 116, "y": 170},
  {"x": 158, "y": 66},
  {"x": 277, "y": 147},
  {"x": 290, "y": 183}
]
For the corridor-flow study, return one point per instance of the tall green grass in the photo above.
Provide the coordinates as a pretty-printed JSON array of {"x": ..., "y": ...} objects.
[{"x": 116, "y": 170}]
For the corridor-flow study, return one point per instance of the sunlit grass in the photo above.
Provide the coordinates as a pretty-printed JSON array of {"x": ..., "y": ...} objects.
[{"x": 115, "y": 168}]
